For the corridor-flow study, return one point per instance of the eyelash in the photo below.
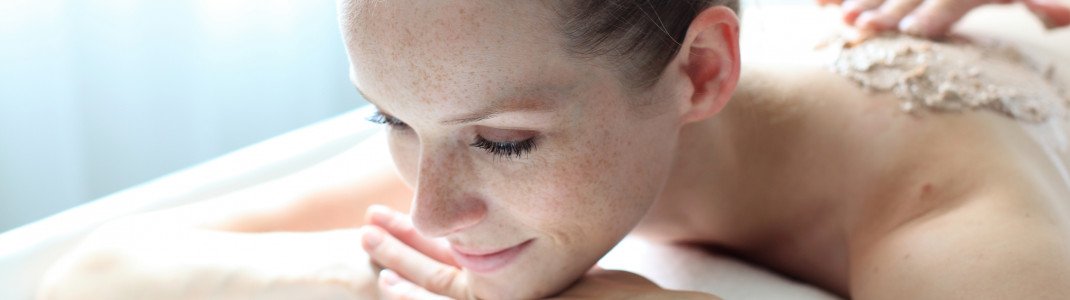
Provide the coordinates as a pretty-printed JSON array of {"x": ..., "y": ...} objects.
[
  {"x": 380, "y": 118},
  {"x": 509, "y": 149}
]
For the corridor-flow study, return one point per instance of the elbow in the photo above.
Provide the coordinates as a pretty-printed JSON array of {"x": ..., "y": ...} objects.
[{"x": 94, "y": 269}]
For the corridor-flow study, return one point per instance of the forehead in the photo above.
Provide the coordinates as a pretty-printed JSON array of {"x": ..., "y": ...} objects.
[{"x": 454, "y": 49}]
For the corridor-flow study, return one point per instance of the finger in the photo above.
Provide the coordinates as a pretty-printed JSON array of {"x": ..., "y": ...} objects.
[
  {"x": 935, "y": 18},
  {"x": 853, "y": 8},
  {"x": 888, "y": 16},
  {"x": 1052, "y": 13},
  {"x": 829, "y": 2},
  {"x": 392, "y": 286},
  {"x": 422, "y": 270},
  {"x": 400, "y": 226}
]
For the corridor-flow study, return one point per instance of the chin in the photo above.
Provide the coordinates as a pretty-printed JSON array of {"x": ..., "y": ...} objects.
[{"x": 523, "y": 283}]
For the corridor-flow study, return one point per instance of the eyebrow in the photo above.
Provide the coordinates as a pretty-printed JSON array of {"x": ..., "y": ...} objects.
[
  {"x": 503, "y": 105},
  {"x": 499, "y": 106}
]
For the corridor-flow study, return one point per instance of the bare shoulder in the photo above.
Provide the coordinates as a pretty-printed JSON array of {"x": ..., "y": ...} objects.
[
  {"x": 972, "y": 242},
  {"x": 987, "y": 247},
  {"x": 791, "y": 79}
]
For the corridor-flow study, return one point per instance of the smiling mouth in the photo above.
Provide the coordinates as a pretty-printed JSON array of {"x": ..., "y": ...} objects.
[{"x": 488, "y": 261}]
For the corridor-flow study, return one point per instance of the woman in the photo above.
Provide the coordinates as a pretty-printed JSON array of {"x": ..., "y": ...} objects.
[{"x": 535, "y": 135}]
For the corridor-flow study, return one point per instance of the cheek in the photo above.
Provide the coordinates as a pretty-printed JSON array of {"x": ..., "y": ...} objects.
[{"x": 600, "y": 193}]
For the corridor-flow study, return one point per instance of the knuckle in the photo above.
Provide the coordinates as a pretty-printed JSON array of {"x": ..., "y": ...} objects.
[
  {"x": 388, "y": 255},
  {"x": 405, "y": 228},
  {"x": 441, "y": 279}
]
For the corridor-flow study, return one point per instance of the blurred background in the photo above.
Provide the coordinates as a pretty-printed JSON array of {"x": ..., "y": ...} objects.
[{"x": 100, "y": 95}]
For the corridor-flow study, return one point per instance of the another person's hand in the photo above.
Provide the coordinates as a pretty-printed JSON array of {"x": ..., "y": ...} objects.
[
  {"x": 419, "y": 268},
  {"x": 934, "y": 18}
]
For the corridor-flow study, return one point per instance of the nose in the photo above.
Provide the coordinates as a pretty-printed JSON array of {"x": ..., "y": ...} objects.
[{"x": 443, "y": 204}]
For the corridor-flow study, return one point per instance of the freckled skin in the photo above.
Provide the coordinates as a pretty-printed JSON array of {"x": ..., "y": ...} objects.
[
  {"x": 579, "y": 193},
  {"x": 802, "y": 172}
]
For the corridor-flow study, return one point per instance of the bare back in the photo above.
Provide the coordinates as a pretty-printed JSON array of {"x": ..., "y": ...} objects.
[{"x": 847, "y": 188}]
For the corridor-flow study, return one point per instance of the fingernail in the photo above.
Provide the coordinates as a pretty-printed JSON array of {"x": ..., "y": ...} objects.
[
  {"x": 379, "y": 214},
  {"x": 866, "y": 17},
  {"x": 372, "y": 236},
  {"x": 909, "y": 25},
  {"x": 389, "y": 277},
  {"x": 874, "y": 21}
]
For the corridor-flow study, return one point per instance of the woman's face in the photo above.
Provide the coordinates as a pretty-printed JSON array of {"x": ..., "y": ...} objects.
[{"x": 514, "y": 147}]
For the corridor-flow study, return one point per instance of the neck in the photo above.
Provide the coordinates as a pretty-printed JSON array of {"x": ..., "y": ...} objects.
[
  {"x": 752, "y": 167},
  {"x": 748, "y": 180}
]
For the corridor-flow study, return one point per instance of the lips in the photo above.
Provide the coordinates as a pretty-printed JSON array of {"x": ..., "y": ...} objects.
[{"x": 486, "y": 261}]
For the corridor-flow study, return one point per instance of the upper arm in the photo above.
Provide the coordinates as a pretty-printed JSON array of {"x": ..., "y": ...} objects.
[
  {"x": 974, "y": 252},
  {"x": 332, "y": 194}
]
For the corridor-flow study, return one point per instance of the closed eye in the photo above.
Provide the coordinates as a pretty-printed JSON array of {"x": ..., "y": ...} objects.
[
  {"x": 506, "y": 149},
  {"x": 384, "y": 119}
]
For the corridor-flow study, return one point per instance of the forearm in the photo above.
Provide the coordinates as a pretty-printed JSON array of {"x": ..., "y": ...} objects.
[
  {"x": 286, "y": 206},
  {"x": 329, "y": 195},
  {"x": 132, "y": 259},
  {"x": 247, "y": 234}
]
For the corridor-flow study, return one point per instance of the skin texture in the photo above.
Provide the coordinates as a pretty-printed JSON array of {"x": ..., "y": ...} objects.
[
  {"x": 766, "y": 187},
  {"x": 801, "y": 172},
  {"x": 600, "y": 160}
]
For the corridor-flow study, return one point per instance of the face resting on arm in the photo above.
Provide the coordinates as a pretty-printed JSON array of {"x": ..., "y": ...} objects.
[{"x": 535, "y": 134}]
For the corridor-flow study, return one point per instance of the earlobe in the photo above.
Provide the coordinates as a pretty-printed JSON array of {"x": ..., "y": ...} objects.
[{"x": 710, "y": 60}]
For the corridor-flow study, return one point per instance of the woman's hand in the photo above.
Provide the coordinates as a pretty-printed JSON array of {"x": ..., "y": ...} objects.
[
  {"x": 414, "y": 267},
  {"x": 934, "y": 18},
  {"x": 419, "y": 268}
]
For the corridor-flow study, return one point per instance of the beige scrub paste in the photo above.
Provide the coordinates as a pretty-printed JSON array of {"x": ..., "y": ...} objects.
[{"x": 954, "y": 75}]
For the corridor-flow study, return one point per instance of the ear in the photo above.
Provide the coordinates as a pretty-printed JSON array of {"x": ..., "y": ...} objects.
[{"x": 709, "y": 59}]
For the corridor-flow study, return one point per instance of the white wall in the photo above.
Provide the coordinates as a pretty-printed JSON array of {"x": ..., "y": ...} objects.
[{"x": 100, "y": 95}]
